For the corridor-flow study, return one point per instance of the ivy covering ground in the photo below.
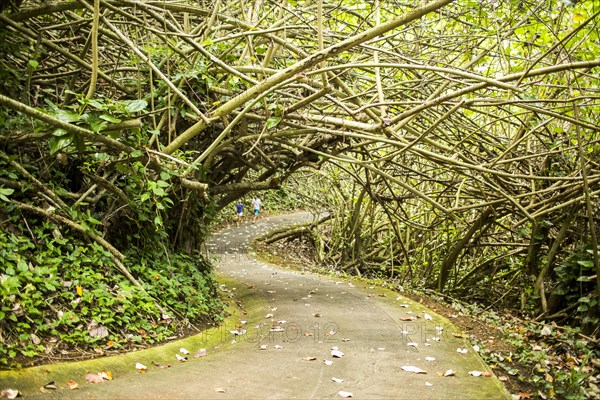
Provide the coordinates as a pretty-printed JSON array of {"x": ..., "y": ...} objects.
[{"x": 63, "y": 298}]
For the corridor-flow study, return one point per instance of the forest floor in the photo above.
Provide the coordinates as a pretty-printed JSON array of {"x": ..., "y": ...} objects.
[{"x": 504, "y": 339}]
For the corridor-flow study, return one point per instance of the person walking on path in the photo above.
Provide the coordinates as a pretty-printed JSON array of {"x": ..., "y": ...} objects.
[
  {"x": 256, "y": 202},
  {"x": 239, "y": 208}
]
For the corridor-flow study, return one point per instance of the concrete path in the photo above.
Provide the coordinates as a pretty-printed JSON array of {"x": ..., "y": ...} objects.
[{"x": 301, "y": 336}]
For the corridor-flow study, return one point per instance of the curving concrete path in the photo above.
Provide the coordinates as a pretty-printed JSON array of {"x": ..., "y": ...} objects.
[{"x": 301, "y": 336}]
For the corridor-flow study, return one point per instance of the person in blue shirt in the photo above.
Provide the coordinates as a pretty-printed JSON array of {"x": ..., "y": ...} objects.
[{"x": 239, "y": 208}]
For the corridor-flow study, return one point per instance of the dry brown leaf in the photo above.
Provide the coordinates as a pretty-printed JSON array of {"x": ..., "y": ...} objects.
[
  {"x": 161, "y": 365},
  {"x": 51, "y": 386},
  {"x": 72, "y": 384},
  {"x": 525, "y": 395}
]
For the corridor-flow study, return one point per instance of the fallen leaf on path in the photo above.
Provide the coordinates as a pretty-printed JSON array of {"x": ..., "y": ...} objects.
[
  {"x": 412, "y": 344},
  {"x": 338, "y": 380},
  {"x": 449, "y": 373},
  {"x": 309, "y": 334},
  {"x": 277, "y": 329},
  {"x": 51, "y": 386},
  {"x": 487, "y": 374},
  {"x": 525, "y": 395},
  {"x": 407, "y": 318},
  {"x": 345, "y": 340},
  {"x": 93, "y": 378},
  {"x": 503, "y": 378},
  {"x": 344, "y": 394},
  {"x": 410, "y": 368},
  {"x": 200, "y": 353},
  {"x": 337, "y": 354},
  {"x": 184, "y": 351},
  {"x": 219, "y": 390},
  {"x": 463, "y": 351},
  {"x": 72, "y": 384},
  {"x": 180, "y": 358},
  {"x": 309, "y": 358},
  {"x": 278, "y": 347},
  {"x": 475, "y": 373},
  {"x": 263, "y": 347},
  {"x": 10, "y": 393},
  {"x": 429, "y": 358},
  {"x": 269, "y": 315},
  {"x": 428, "y": 317},
  {"x": 141, "y": 367},
  {"x": 328, "y": 362},
  {"x": 428, "y": 384},
  {"x": 162, "y": 366},
  {"x": 106, "y": 375}
]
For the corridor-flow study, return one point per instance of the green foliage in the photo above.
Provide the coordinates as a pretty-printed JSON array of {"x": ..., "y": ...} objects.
[
  {"x": 55, "y": 288},
  {"x": 575, "y": 284}
]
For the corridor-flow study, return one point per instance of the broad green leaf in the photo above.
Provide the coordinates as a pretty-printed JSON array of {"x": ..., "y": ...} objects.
[
  {"x": 59, "y": 143},
  {"x": 110, "y": 118},
  {"x": 66, "y": 116},
  {"x": 136, "y": 106},
  {"x": 272, "y": 122}
]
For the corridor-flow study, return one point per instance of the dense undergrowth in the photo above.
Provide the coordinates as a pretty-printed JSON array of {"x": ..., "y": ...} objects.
[{"x": 63, "y": 297}]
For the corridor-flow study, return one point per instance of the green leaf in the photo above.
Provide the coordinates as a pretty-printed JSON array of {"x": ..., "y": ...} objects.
[
  {"x": 66, "y": 116},
  {"x": 584, "y": 263},
  {"x": 584, "y": 299},
  {"x": 136, "y": 106},
  {"x": 272, "y": 122},
  {"x": 98, "y": 125},
  {"x": 33, "y": 64},
  {"x": 59, "y": 143},
  {"x": 583, "y": 308},
  {"x": 110, "y": 118},
  {"x": 5, "y": 192}
]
